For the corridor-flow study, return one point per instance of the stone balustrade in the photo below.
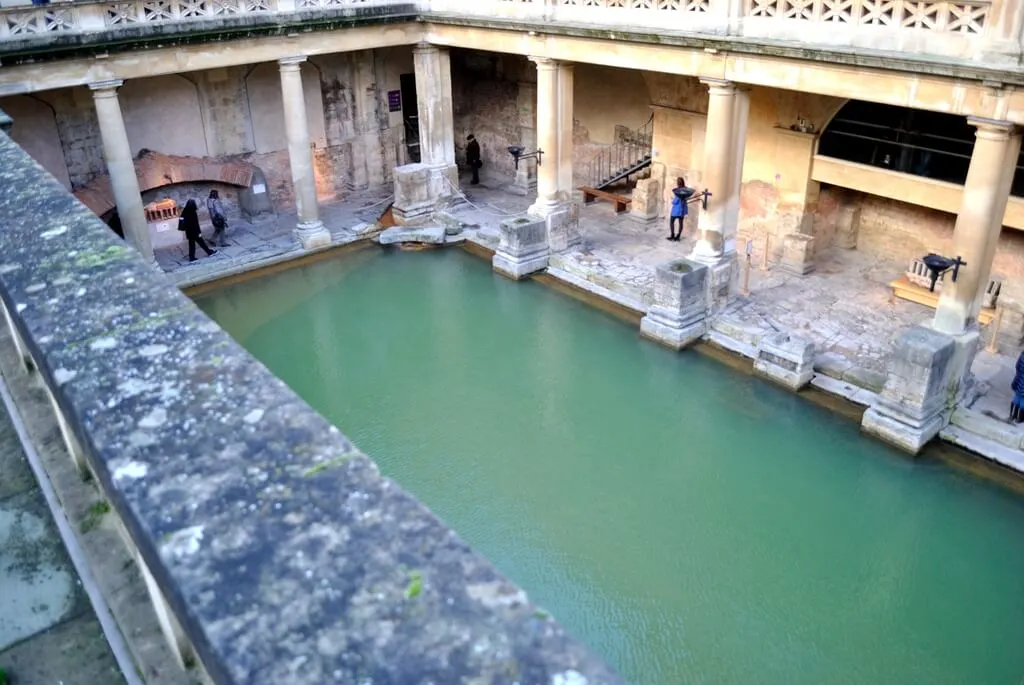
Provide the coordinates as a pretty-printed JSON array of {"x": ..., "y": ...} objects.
[
  {"x": 273, "y": 550},
  {"x": 988, "y": 31}
]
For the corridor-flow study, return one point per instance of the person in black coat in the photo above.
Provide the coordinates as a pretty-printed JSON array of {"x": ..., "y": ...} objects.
[
  {"x": 189, "y": 223},
  {"x": 473, "y": 158}
]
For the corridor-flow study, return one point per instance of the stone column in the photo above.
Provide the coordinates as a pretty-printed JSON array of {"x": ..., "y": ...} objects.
[
  {"x": 118, "y": 154},
  {"x": 566, "y": 190},
  {"x": 718, "y": 172},
  {"x": 547, "y": 136},
  {"x": 978, "y": 223},
  {"x": 310, "y": 230},
  {"x": 421, "y": 188}
]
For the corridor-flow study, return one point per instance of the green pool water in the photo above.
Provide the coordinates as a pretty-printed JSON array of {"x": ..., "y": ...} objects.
[{"x": 690, "y": 523}]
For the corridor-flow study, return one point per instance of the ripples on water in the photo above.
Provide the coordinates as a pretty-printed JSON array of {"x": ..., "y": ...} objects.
[{"x": 688, "y": 522}]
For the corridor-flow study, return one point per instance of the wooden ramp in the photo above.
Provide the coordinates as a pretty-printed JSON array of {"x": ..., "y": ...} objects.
[
  {"x": 591, "y": 194},
  {"x": 905, "y": 290}
]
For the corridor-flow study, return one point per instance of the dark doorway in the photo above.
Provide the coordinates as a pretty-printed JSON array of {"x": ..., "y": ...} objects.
[{"x": 410, "y": 117}]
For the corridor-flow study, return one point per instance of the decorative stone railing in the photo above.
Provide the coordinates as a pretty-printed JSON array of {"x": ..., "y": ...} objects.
[
  {"x": 85, "y": 17},
  {"x": 273, "y": 550},
  {"x": 979, "y": 30}
]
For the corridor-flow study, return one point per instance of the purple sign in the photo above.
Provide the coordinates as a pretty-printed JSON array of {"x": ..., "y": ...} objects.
[{"x": 394, "y": 101}]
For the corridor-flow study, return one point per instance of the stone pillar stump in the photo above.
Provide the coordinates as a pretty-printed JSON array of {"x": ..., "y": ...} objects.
[
  {"x": 522, "y": 247},
  {"x": 419, "y": 190},
  {"x": 785, "y": 359},
  {"x": 798, "y": 254},
  {"x": 677, "y": 318},
  {"x": 646, "y": 204}
]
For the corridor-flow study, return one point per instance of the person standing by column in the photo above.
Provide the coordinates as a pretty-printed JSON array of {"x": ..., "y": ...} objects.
[
  {"x": 189, "y": 223},
  {"x": 473, "y": 158},
  {"x": 680, "y": 208}
]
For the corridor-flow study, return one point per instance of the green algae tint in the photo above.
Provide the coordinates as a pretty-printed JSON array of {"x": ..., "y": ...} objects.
[{"x": 688, "y": 522}]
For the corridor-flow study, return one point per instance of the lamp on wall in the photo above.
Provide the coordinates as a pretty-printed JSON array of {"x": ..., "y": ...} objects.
[
  {"x": 518, "y": 152},
  {"x": 939, "y": 265}
]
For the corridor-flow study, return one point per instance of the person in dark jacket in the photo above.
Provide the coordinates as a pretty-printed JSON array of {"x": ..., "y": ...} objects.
[
  {"x": 220, "y": 222},
  {"x": 473, "y": 158},
  {"x": 680, "y": 208},
  {"x": 1017, "y": 403},
  {"x": 189, "y": 223}
]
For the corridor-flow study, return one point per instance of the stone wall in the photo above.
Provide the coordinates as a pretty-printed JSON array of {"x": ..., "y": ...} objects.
[
  {"x": 494, "y": 98},
  {"x": 236, "y": 113}
]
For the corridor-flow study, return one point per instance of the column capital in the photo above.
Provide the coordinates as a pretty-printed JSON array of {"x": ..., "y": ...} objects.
[
  {"x": 105, "y": 88},
  {"x": 425, "y": 48},
  {"x": 992, "y": 129},
  {"x": 291, "y": 63},
  {"x": 722, "y": 86},
  {"x": 544, "y": 62}
]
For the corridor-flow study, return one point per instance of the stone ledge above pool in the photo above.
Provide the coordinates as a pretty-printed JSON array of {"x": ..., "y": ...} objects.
[{"x": 275, "y": 550}]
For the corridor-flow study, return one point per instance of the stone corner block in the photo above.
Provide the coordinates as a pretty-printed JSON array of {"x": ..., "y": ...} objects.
[
  {"x": 798, "y": 254},
  {"x": 912, "y": 407},
  {"x": 646, "y": 201},
  {"x": 786, "y": 359},
  {"x": 522, "y": 246},
  {"x": 677, "y": 318},
  {"x": 420, "y": 189},
  {"x": 563, "y": 228}
]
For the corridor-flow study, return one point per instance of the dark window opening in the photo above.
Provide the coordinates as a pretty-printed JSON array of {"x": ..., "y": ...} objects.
[
  {"x": 410, "y": 116},
  {"x": 929, "y": 144}
]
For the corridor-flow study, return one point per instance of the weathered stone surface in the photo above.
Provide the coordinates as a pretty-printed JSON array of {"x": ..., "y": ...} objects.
[
  {"x": 678, "y": 316},
  {"x": 785, "y": 359},
  {"x": 428, "y": 235},
  {"x": 909, "y": 411},
  {"x": 864, "y": 378},
  {"x": 522, "y": 247},
  {"x": 646, "y": 204},
  {"x": 798, "y": 254},
  {"x": 280, "y": 548},
  {"x": 421, "y": 189},
  {"x": 847, "y": 227}
]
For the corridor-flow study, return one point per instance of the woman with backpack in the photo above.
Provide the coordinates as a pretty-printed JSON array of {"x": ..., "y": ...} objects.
[
  {"x": 680, "y": 208},
  {"x": 220, "y": 222}
]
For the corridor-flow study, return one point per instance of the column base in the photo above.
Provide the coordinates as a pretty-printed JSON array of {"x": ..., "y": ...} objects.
[
  {"x": 798, "y": 254},
  {"x": 312, "y": 235},
  {"x": 522, "y": 247},
  {"x": 560, "y": 220},
  {"x": 929, "y": 373},
  {"x": 421, "y": 190},
  {"x": 658, "y": 325},
  {"x": 786, "y": 360},
  {"x": 678, "y": 317}
]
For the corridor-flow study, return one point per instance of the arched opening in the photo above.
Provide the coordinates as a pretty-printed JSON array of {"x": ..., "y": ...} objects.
[{"x": 929, "y": 144}]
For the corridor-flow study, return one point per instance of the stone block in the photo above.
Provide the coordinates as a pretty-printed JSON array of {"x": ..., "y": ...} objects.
[
  {"x": 522, "y": 247},
  {"x": 426, "y": 235},
  {"x": 679, "y": 313},
  {"x": 910, "y": 409},
  {"x": 847, "y": 227},
  {"x": 563, "y": 228},
  {"x": 785, "y": 359},
  {"x": 798, "y": 254},
  {"x": 254, "y": 200},
  {"x": 646, "y": 204},
  {"x": 421, "y": 189}
]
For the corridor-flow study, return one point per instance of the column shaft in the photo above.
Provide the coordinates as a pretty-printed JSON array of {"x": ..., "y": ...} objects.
[
  {"x": 978, "y": 224},
  {"x": 718, "y": 173},
  {"x": 434, "y": 105},
  {"x": 300, "y": 154},
  {"x": 565, "y": 129},
  {"x": 118, "y": 154},
  {"x": 310, "y": 230},
  {"x": 547, "y": 133}
]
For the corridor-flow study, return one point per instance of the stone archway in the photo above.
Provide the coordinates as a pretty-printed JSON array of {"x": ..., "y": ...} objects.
[{"x": 155, "y": 170}]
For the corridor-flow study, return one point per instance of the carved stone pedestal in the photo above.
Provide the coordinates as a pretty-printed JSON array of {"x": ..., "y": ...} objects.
[
  {"x": 646, "y": 204},
  {"x": 677, "y": 318},
  {"x": 421, "y": 189},
  {"x": 522, "y": 247},
  {"x": 928, "y": 374},
  {"x": 785, "y": 359},
  {"x": 798, "y": 254}
]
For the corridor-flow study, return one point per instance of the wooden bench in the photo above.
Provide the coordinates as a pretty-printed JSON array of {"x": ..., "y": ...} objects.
[
  {"x": 904, "y": 289},
  {"x": 591, "y": 194}
]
